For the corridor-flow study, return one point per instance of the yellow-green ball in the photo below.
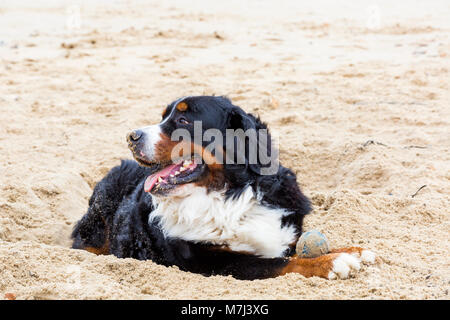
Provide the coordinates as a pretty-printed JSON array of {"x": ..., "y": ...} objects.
[{"x": 312, "y": 244}]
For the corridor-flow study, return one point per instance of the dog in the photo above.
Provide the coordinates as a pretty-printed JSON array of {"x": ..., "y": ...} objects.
[{"x": 184, "y": 207}]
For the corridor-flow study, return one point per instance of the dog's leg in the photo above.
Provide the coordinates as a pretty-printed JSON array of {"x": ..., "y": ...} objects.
[
  {"x": 338, "y": 264},
  {"x": 328, "y": 266},
  {"x": 92, "y": 232}
]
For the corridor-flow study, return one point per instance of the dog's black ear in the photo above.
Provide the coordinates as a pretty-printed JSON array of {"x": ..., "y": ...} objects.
[
  {"x": 238, "y": 119},
  {"x": 256, "y": 138}
]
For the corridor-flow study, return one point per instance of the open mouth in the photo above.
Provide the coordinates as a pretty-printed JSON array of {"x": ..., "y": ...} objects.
[{"x": 182, "y": 172}]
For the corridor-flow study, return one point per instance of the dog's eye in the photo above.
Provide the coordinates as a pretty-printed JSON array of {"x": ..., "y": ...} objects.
[{"x": 183, "y": 120}]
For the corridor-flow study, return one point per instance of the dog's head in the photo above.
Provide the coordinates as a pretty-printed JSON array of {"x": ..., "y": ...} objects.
[{"x": 206, "y": 141}]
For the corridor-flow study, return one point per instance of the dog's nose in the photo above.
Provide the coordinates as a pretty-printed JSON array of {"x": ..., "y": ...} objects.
[{"x": 134, "y": 135}]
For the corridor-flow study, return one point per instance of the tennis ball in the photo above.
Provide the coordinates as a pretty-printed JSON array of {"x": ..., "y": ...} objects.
[{"x": 312, "y": 244}]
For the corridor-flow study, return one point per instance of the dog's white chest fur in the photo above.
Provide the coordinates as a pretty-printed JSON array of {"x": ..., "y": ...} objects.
[{"x": 242, "y": 224}]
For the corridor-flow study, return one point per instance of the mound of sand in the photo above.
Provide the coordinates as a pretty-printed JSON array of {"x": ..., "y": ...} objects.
[{"x": 358, "y": 96}]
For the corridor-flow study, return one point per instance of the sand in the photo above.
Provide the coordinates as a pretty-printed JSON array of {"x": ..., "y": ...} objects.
[{"x": 358, "y": 95}]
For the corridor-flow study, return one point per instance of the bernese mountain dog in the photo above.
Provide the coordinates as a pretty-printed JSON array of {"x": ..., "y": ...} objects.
[{"x": 199, "y": 212}]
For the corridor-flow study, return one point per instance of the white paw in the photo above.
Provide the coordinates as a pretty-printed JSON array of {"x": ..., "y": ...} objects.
[
  {"x": 343, "y": 266},
  {"x": 368, "y": 257}
]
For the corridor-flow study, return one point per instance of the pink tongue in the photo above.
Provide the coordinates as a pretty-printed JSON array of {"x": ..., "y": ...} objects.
[{"x": 151, "y": 180}]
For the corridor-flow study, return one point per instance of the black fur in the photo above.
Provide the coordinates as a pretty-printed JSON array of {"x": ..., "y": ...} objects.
[{"x": 117, "y": 218}]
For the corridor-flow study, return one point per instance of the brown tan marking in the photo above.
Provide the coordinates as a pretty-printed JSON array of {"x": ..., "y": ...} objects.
[
  {"x": 103, "y": 250},
  {"x": 164, "y": 151},
  {"x": 320, "y": 266},
  {"x": 214, "y": 180},
  {"x": 182, "y": 106},
  {"x": 99, "y": 251}
]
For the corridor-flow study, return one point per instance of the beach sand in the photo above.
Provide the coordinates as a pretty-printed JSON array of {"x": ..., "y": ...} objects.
[{"x": 356, "y": 94}]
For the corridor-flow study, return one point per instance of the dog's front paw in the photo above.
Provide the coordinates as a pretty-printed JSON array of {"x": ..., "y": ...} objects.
[
  {"x": 350, "y": 260},
  {"x": 368, "y": 257},
  {"x": 343, "y": 266}
]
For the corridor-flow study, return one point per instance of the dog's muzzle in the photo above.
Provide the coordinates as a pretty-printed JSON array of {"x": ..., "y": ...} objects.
[
  {"x": 134, "y": 139},
  {"x": 142, "y": 143}
]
